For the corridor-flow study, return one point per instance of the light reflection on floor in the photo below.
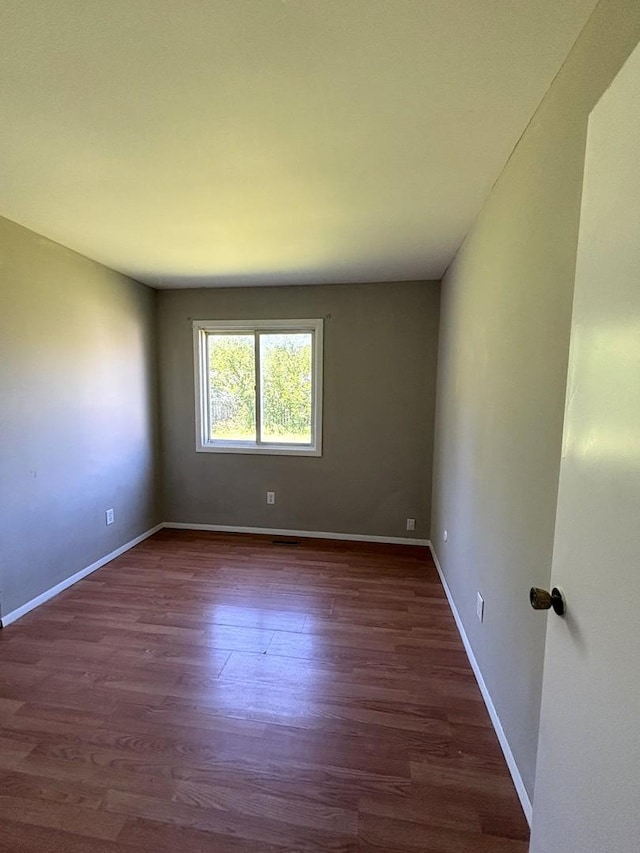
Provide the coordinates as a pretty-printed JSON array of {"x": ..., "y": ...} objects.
[{"x": 245, "y": 687}]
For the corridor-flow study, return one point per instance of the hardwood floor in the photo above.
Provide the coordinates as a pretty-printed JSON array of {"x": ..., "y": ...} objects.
[{"x": 223, "y": 693}]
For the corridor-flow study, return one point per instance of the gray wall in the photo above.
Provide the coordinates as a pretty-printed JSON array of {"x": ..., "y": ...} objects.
[
  {"x": 380, "y": 348},
  {"x": 77, "y": 413},
  {"x": 504, "y": 338}
]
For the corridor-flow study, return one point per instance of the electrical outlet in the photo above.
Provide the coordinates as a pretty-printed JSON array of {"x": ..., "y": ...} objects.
[
  {"x": 445, "y": 535},
  {"x": 109, "y": 516},
  {"x": 479, "y": 607},
  {"x": 411, "y": 524},
  {"x": 271, "y": 497}
]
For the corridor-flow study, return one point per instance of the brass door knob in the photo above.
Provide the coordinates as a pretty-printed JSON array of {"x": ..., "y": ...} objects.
[{"x": 540, "y": 599}]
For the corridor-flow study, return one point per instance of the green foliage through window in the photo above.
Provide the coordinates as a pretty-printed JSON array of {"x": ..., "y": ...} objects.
[
  {"x": 286, "y": 386},
  {"x": 232, "y": 385}
]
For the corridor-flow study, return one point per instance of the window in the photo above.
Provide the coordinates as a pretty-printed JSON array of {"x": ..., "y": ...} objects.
[{"x": 258, "y": 386}]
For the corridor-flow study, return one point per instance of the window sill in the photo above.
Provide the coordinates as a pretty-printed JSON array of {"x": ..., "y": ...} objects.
[{"x": 261, "y": 450}]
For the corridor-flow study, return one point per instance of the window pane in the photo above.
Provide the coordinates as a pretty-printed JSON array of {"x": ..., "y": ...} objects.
[
  {"x": 286, "y": 386},
  {"x": 232, "y": 387}
]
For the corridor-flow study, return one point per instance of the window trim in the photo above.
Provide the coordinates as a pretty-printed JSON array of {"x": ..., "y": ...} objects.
[{"x": 201, "y": 372}]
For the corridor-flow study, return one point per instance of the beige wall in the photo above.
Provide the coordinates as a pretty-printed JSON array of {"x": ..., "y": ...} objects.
[
  {"x": 77, "y": 413},
  {"x": 504, "y": 338},
  {"x": 380, "y": 346}
]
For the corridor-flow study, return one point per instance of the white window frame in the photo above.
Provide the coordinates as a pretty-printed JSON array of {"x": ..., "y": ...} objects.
[{"x": 201, "y": 374}]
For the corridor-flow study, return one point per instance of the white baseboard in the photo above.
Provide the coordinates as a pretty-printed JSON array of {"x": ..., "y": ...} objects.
[
  {"x": 525, "y": 801},
  {"x": 302, "y": 534},
  {"x": 8, "y": 618}
]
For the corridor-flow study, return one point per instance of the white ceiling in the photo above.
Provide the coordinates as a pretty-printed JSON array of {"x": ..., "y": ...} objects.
[{"x": 221, "y": 142}]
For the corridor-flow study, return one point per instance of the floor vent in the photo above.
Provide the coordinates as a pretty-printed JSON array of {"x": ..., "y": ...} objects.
[{"x": 281, "y": 541}]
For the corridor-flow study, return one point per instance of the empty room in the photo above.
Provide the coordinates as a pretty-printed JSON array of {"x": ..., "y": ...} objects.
[{"x": 319, "y": 426}]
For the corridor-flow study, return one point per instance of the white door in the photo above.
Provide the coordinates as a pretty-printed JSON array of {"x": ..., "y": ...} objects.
[{"x": 587, "y": 789}]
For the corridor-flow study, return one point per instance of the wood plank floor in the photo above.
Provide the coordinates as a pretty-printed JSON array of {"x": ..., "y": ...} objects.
[{"x": 226, "y": 693}]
